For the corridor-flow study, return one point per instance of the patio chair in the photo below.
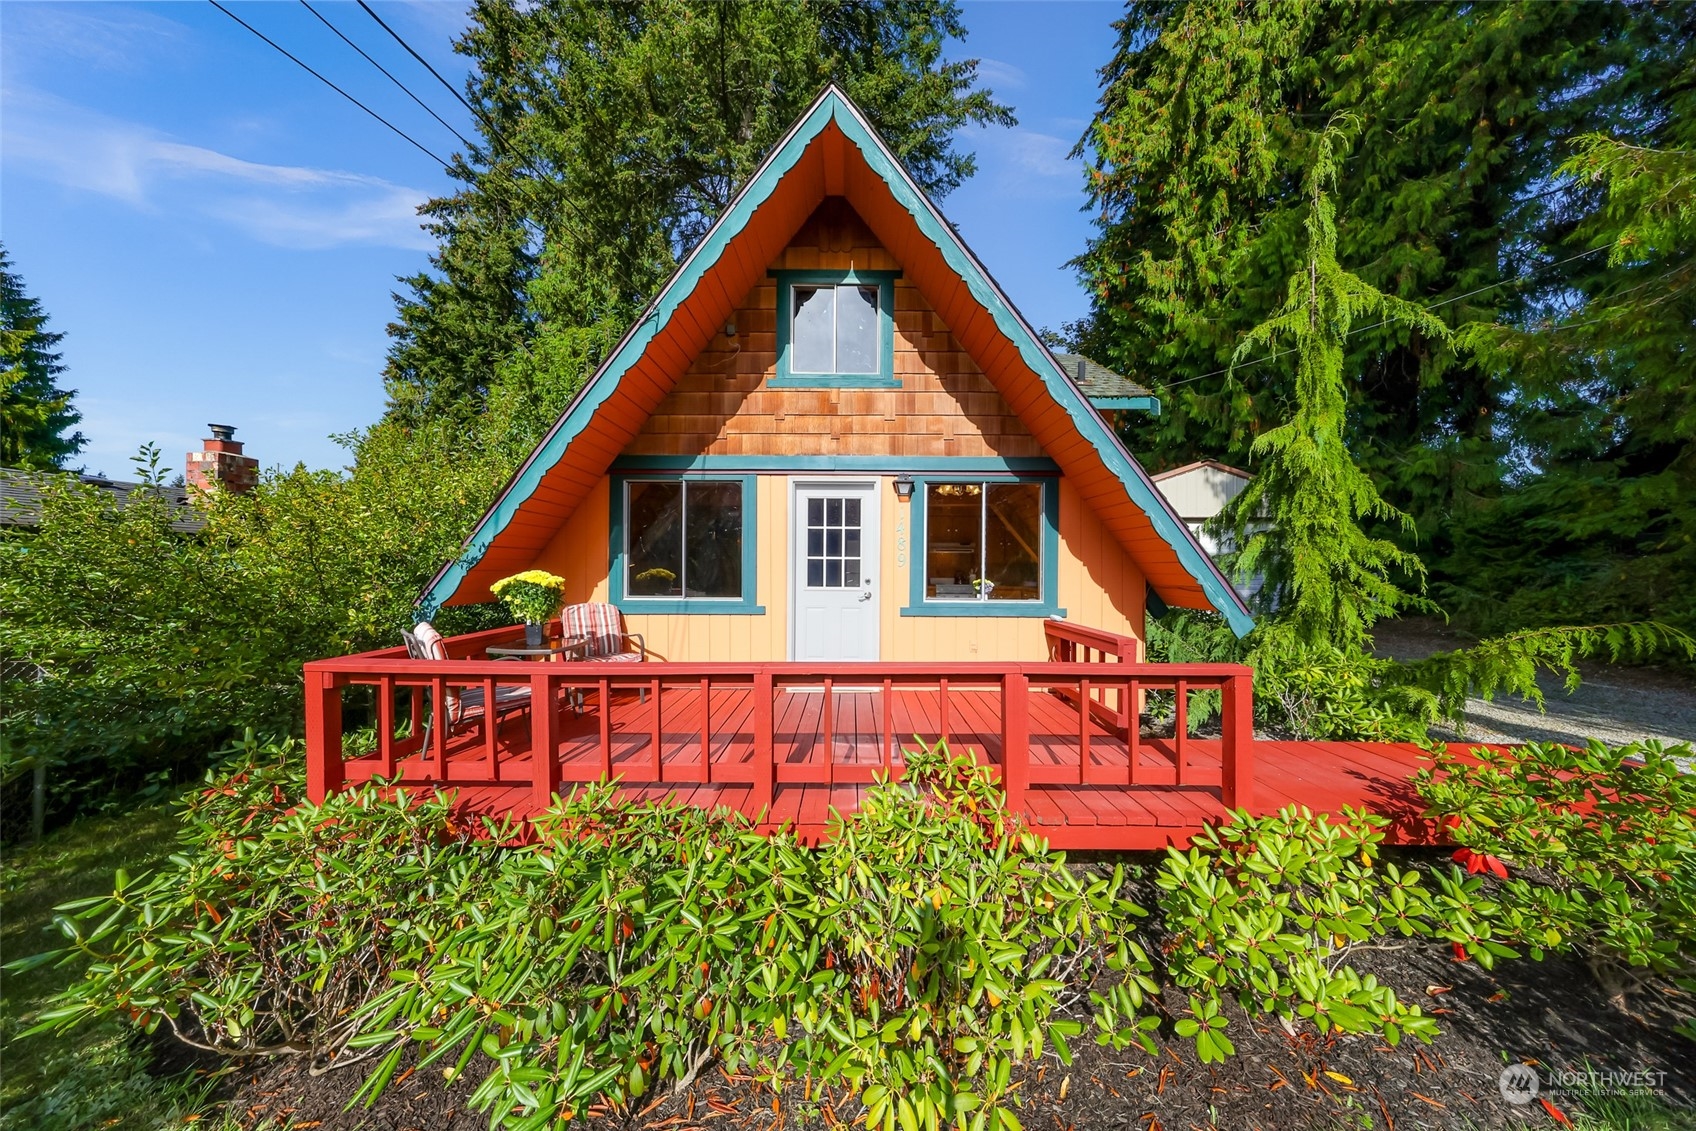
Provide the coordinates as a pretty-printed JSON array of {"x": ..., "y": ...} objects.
[
  {"x": 464, "y": 704},
  {"x": 602, "y": 627}
]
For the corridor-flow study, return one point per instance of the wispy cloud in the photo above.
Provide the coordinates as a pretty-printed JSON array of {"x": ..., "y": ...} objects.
[
  {"x": 1000, "y": 76},
  {"x": 115, "y": 39},
  {"x": 1028, "y": 164},
  {"x": 285, "y": 205}
]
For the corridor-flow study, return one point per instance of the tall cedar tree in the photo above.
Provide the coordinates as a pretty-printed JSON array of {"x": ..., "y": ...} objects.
[
  {"x": 1600, "y": 522},
  {"x": 1300, "y": 519},
  {"x": 35, "y": 413},
  {"x": 613, "y": 135},
  {"x": 1198, "y": 168}
]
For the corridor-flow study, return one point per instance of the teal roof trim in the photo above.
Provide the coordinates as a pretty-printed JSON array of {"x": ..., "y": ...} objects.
[
  {"x": 833, "y": 106},
  {"x": 1150, "y": 405}
]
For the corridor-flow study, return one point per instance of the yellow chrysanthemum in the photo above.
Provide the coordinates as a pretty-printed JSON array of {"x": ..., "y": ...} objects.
[{"x": 533, "y": 577}]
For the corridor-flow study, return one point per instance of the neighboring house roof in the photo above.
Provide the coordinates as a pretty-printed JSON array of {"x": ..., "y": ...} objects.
[
  {"x": 1105, "y": 388},
  {"x": 20, "y": 497},
  {"x": 1212, "y": 464},
  {"x": 832, "y": 151},
  {"x": 1199, "y": 491}
]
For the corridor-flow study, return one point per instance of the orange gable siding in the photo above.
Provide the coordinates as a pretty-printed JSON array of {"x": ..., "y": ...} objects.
[{"x": 945, "y": 406}]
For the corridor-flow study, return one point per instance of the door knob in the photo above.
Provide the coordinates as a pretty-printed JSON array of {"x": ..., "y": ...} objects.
[{"x": 866, "y": 596}]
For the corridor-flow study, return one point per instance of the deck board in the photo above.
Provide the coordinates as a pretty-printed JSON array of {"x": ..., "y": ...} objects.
[{"x": 1098, "y": 810}]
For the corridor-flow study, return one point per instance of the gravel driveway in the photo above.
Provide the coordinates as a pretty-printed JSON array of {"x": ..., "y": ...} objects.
[{"x": 1616, "y": 703}]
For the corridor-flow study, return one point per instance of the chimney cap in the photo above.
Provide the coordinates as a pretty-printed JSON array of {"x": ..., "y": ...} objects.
[{"x": 223, "y": 431}]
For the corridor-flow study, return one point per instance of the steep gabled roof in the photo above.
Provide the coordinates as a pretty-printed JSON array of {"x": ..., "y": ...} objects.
[{"x": 832, "y": 151}]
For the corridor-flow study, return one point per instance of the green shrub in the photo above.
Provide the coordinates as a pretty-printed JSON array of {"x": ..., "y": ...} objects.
[
  {"x": 1601, "y": 841},
  {"x": 919, "y": 956},
  {"x": 1269, "y": 909},
  {"x": 157, "y": 643}
]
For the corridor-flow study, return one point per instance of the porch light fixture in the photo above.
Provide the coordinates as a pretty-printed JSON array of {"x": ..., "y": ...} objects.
[{"x": 904, "y": 487}]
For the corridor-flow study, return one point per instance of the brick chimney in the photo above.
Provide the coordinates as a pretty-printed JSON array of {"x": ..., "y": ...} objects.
[{"x": 221, "y": 464}]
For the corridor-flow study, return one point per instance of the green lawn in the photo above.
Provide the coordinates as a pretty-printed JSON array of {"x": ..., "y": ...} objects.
[{"x": 94, "y": 1076}]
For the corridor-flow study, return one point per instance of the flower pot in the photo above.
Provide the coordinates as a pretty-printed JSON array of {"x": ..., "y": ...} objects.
[{"x": 533, "y": 637}]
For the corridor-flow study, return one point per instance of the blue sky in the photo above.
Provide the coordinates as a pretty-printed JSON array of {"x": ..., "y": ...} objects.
[{"x": 218, "y": 234}]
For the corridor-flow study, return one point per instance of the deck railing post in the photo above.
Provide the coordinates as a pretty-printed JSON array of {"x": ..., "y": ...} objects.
[
  {"x": 764, "y": 755},
  {"x": 1236, "y": 720},
  {"x": 544, "y": 740},
  {"x": 1015, "y": 738},
  {"x": 324, "y": 769}
]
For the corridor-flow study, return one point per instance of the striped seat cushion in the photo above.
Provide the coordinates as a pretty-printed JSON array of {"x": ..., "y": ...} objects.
[
  {"x": 434, "y": 648},
  {"x": 603, "y": 624}
]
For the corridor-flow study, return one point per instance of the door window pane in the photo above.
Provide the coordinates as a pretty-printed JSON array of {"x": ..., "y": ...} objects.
[
  {"x": 856, "y": 330},
  {"x": 833, "y": 543},
  {"x": 813, "y": 347},
  {"x": 656, "y": 540}
]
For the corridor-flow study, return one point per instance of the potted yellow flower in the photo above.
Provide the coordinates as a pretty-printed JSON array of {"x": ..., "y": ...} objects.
[{"x": 532, "y": 597}]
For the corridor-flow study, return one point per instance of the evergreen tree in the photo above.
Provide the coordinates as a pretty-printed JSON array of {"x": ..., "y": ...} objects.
[
  {"x": 611, "y": 137},
  {"x": 35, "y": 413},
  {"x": 1198, "y": 176},
  {"x": 1600, "y": 521},
  {"x": 1300, "y": 518}
]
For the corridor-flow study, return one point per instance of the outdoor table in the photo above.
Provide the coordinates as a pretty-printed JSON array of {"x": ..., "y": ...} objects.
[
  {"x": 562, "y": 647},
  {"x": 566, "y": 648}
]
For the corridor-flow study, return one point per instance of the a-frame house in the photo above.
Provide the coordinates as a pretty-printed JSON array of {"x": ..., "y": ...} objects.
[
  {"x": 831, "y": 349},
  {"x": 846, "y": 501}
]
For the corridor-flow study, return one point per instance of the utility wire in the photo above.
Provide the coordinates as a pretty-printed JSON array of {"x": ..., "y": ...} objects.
[
  {"x": 400, "y": 132},
  {"x": 404, "y": 88},
  {"x": 480, "y": 116},
  {"x": 426, "y": 64},
  {"x": 1385, "y": 322}
]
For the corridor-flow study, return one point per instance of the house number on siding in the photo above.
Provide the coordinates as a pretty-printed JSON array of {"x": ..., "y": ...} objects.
[{"x": 901, "y": 542}]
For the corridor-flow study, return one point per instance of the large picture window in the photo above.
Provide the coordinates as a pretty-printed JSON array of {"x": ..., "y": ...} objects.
[
  {"x": 835, "y": 328},
  {"x": 684, "y": 540},
  {"x": 983, "y": 542}
]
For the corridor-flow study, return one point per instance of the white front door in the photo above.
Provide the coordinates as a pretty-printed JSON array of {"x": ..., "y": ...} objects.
[{"x": 833, "y": 556}]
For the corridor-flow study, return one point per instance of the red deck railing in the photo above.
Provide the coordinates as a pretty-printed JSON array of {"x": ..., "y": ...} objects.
[{"x": 705, "y": 723}]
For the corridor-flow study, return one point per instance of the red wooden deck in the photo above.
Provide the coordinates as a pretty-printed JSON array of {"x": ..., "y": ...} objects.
[{"x": 788, "y": 743}]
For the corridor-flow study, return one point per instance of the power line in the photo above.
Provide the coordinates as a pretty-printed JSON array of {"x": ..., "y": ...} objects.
[
  {"x": 404, "y": 88},
  {"x": 1387, "y": 321},
  {"x": 400, "y": 132},
  {"x": 488, "y": 124},
  {"x": 425, "y": 62}
]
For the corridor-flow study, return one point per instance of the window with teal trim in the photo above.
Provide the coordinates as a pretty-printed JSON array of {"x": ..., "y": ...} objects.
[
  {"x": 683, "y": 544},
  {"x": 986, "y": 547},
  {"x": 983, "y": 542},
  {"x": 835, "y": 329}
]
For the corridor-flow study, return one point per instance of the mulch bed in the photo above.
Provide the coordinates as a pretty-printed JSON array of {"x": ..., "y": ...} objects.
[{"x": 1553, "y": 1013}]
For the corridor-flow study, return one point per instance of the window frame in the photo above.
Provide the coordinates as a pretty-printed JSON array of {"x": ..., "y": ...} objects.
[
  {"x": 619, "y": 543},
  {"x": 919, "y": 605},
  {"x": 884, "y": 378}
]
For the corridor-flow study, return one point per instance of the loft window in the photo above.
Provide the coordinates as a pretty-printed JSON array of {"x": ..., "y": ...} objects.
[
  {"x": 684, "y": 540},
  {"x": 983, "y": 542},
  {"x": 835, "y": 328}
]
